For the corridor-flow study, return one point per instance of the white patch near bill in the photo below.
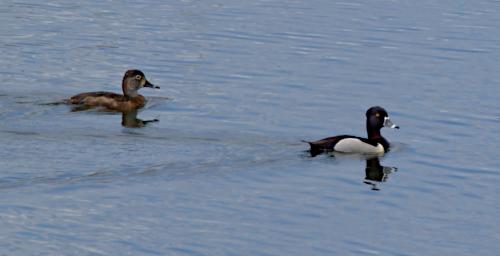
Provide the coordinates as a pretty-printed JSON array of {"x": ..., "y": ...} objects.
[{"x": 353, "y": 145}]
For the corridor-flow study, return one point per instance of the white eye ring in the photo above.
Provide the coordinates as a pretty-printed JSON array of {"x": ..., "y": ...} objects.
[{"x": 138, "y": 77}]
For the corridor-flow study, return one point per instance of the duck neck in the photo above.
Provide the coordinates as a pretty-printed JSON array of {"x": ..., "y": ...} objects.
[
  {"x": 129, "y": 93},
  {"x": 373, "y": 132}
]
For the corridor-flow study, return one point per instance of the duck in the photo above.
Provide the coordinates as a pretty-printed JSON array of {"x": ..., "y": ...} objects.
[
  {"x": 133, "y": 80},
  {"x": 376, "y": 119}
]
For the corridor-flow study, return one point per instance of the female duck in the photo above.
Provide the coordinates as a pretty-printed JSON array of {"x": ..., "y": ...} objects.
[
  {"x": 133, "y": 80},
  {"x": 376, "y": 118}
]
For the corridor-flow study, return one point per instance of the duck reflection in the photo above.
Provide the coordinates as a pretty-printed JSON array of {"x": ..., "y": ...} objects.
[
  {"x": 376, "y": 173},
  {"x": 130, "y": 120}
]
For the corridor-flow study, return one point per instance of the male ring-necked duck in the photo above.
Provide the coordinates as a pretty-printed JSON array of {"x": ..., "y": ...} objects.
[
  {"x": 133, "y": 80},
  {"x": 376, "y": 118}
]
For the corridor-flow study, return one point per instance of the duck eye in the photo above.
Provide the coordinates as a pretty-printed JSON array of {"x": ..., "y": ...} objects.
[
  {"x": 377, "y": 114},
  {"x": 138, "y": 77}
]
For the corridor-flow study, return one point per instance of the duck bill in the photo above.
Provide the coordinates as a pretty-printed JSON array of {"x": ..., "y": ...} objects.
[
  {"x": 389, "y": 123},
  {"x": 150, "y": 85}
]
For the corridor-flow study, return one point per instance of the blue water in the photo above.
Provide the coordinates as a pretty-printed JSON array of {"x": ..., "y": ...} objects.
[{"x": 224, "y": 171}]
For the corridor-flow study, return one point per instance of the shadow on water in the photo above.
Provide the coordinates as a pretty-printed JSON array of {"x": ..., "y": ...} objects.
[
  {"x": 129, "y": 118},
  {"x": 375, "y": 173}
]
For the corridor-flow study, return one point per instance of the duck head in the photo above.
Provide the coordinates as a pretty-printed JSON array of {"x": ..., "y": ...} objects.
[
  {"x": 133, "y": 80},
  {"x": 376, "y": 118}
]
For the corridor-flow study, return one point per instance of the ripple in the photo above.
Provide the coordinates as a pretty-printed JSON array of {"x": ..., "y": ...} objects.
[{"x": 242, "y": 83}]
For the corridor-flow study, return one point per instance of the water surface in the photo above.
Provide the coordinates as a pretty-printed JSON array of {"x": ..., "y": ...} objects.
[{"x": 224, "y": 171}]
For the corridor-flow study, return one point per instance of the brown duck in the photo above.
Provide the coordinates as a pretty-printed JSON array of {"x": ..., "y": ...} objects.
[{"x": 133, "y": 80}]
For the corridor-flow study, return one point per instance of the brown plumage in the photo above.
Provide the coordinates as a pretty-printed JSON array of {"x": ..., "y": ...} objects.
[{"x": 133, "y": 80}]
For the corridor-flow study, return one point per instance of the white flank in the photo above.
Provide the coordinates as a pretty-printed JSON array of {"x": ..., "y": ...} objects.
[{"x": 353, "y": 145}]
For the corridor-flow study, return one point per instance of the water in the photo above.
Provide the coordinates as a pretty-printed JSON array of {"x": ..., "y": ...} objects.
[{"x": 224, "y": 171}]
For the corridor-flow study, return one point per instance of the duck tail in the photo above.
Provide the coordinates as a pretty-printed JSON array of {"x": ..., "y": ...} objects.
[{"x": 314, "y": 149}]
